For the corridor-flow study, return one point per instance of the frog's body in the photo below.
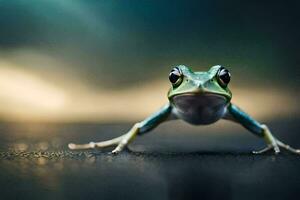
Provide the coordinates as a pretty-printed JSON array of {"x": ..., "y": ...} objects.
[
  {"x": 197, "y": 98},
  {"x": 199, "y": 109}
]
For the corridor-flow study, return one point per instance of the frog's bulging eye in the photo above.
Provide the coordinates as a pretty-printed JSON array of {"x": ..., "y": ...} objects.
[
  {"x": 223, "y": 77},
  {"x": 175, "y": 76}
]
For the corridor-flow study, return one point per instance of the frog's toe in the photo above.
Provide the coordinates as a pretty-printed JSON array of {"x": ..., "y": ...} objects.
[
  {"x": 92, "y": 145},
  {"x": 288, "y": 147},
  {"x": 116, "y": 151},
  {"x": 123, "y": 143},
  {"x": 73, "y": 146},
  {"x": 268, "y": 148},
  {"x": 276, "y": 147}
]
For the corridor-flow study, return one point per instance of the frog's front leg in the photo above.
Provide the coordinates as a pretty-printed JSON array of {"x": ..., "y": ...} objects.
[
  {"x": 236, "y": 114},
  {"x": 139, "y": 128}
]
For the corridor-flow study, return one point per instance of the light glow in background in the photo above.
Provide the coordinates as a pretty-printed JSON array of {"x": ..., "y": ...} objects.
[{"x": 78, "y": 61}]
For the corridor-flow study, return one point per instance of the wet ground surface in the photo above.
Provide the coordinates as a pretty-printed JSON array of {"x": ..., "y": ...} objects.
[{"x": 173, "y": 162}]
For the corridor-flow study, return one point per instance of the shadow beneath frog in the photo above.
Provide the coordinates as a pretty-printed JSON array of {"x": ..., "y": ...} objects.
[{"x": 169, "y": 154}]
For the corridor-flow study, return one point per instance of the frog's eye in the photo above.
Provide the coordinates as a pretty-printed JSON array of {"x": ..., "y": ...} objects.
[
  {"x": 223, "y": 77},
  {"x": 175, "y": 76}
]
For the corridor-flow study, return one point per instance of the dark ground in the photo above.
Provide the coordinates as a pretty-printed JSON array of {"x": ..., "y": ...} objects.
[{"x": 188, "y": 164}]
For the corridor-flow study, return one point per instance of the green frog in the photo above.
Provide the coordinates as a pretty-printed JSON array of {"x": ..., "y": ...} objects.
[{"x": 198, "y": 98}]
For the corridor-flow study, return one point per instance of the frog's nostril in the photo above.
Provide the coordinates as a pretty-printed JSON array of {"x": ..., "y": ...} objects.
[{"x": 200, "y": 85}]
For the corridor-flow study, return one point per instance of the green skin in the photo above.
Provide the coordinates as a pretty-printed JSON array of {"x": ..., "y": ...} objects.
[{"x": 197, "y": 98}]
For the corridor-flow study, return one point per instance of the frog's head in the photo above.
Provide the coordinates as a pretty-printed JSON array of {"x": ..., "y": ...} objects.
[{"x": 213, "y": 83}]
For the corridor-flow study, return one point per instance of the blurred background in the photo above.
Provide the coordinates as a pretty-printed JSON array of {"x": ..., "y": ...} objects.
[
  {"x": 108, "y": 61},
  {"x": 86, "y": 70}
]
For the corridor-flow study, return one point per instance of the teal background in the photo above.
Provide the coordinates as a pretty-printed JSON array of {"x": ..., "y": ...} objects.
[
  {"x": 73, "y": 70},
  {"x": 115, "y": 43}
]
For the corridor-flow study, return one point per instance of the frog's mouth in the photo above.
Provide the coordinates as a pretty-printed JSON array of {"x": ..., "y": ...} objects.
[
  {"x": 201, "y": 108},
  {"x": 204, "y": 97}
]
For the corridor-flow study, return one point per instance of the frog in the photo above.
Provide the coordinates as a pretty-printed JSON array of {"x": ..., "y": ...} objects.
[{"x": 198, "y": 98}]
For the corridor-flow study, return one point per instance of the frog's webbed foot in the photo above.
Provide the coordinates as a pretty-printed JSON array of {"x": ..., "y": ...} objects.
[
  {"x": 120, "y": 142},
  {"x": 274, "y": 144}
]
